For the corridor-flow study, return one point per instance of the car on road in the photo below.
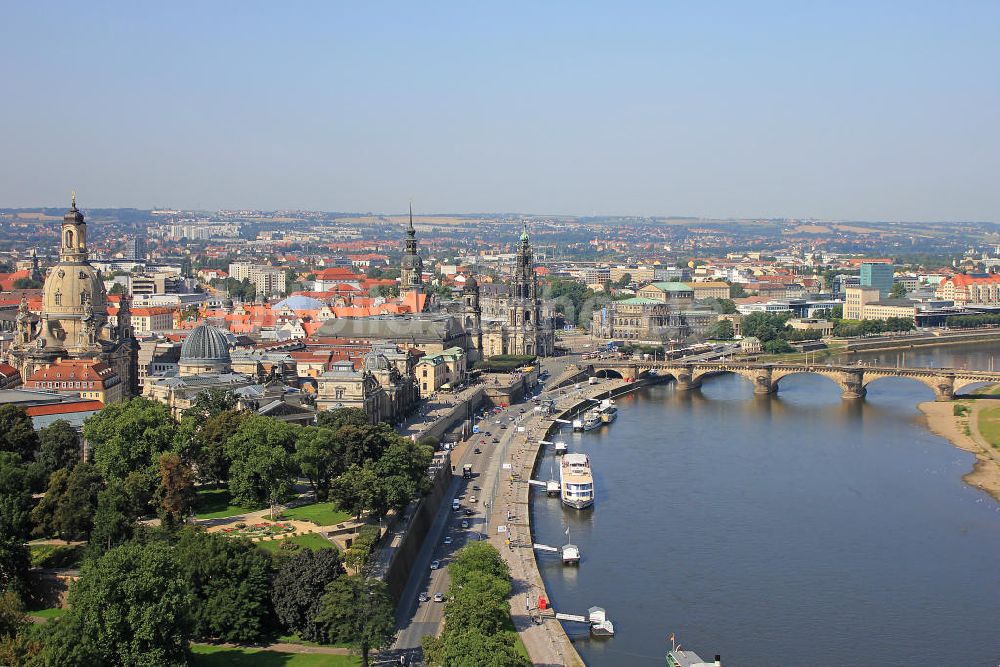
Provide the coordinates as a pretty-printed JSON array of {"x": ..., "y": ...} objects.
[
  {"x": 423, "y": 597},
  {"x": 439, "y": 597},
  {"x": 472, "y": 499},
  {"x": 496, "y": 441},
  {"x": 469, "y": 512},
  {"x": 447, "y": 539},
  {"x": 504, "y": 426},
  {"x": 521, "y": 411},
  {"x": 477, "y": 450},
  {"x": 465, "y": 524},
  {"x": 475, "y": 487},
  {"x": 435, "y": 564}
]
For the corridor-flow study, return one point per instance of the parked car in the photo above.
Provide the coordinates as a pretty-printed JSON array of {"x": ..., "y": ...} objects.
[
  {"x": 447, "y": 539},
  {"x": 465, "y": 524},
  {"x": 472, "y": 499},
  {"x": 423, "y": 597},
  {"x": 469, "y": 512},
  {"x": 439, "y": 597},
  {"x": 479, "y": 451},
  {"x": 435, "y": 564}
]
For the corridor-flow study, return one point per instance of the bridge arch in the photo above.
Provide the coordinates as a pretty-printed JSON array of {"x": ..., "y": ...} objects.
[
  {"x": 936, "y": 388},
  {"x": 777, "y": 376},
  {"x": 605, "y": 373}
]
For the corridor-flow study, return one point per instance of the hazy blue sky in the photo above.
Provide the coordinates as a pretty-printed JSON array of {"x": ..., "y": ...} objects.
[{"x": 865, "y": 110}]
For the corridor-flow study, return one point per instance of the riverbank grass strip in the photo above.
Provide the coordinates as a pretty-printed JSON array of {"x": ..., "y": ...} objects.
[
  {"x": 217, "y": 656},
  {"x": 989, "y": 425}
]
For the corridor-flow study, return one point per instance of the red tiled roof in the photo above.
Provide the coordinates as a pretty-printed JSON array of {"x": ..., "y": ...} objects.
[{"x": 64, "y": 408}]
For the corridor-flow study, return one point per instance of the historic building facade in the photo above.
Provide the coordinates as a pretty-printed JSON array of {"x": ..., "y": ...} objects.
[
  {"x": 513, "y": 320},
  {"x": 74, "y": 324},
  {"x": 385, "y": 387}
]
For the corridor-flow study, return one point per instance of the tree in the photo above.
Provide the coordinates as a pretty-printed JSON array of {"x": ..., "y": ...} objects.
[
  {"x": 210, "y": 457},
  {"x": 210, "y": 403},
  {"x": 67, "y": 510},
  {"x": 474, "y": 649},
  {"x": 117, "y": 288},
  {"x": 359, "y": 612},
  {"x": 402, "y": 473},
  {"x": 114, "y": 520},
  {"x": 721, "y": 330},
  {"x": 898, "y": 291},
  {"x": 27, "y": 283},
  {"x": 478, "y": 557},
  {"x": 131, "y": 606},
  {"x": 58, "y": 447},
  {"x": 261, "y": 467},
  {"x": 356, "y": 490},
  {"x": 765, "y": 326},
  {"x": 736, "y": 291},
  {"x": 298, "y": 589},
  {"x": 127, "y": 438},
  {"x": 175, "y": 494},
  {"x": 15, "y": 498},
  {"x": 17, "y": 434},
  {"x": 230, "y": 580},
  {"x": 837, "y": 312},
  {"x": 334, "y": 419},
  {"x": 318, "y": 455},
  {"x": 776, "y": 346}
]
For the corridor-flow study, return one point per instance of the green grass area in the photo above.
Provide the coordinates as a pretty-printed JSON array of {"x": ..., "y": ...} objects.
[
  {"x": 51, "y": 612},
  {"x": 989, "y": 425},
  {"x": 321, "y": 514},
  {"x": 295, "y": 639},
  {"x": 216, "y": 656},
  {"x": 56, "y": 555},
  {"x": 216, "y": 504},
  {"x": 308, "y": 541}
]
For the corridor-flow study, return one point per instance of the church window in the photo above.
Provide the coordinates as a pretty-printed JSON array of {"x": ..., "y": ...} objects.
[
  {"x": 339, "y": 393},
  {"x": 69, "y": 238},
  {"x": 58, "y": 298}
]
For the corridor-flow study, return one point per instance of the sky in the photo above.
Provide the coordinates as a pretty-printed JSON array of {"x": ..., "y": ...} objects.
[{"x": 834, "y": 110}]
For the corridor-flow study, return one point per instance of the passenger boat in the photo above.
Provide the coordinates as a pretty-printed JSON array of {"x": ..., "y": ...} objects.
[
  {"x": 609, "y": 411},
  {"x": 591, "y": 420},
  {"x": 561, "y": 448},
  {"x": 576, "y": 481}
]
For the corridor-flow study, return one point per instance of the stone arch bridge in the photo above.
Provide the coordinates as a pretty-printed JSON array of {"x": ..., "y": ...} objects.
[{"x": 766, "y": 377}]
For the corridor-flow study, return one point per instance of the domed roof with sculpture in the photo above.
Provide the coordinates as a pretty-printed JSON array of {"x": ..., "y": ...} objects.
[
  {"x": 205, "y": 350},
  {"x": 375, "y": 361}
]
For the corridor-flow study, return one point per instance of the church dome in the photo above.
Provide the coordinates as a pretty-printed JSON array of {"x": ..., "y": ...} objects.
[
  {"x": 411, "y": 262},
  {"x": 376, "y": 362},
  {"x": 205, "y": 350},
  {"x": 73, "y": 297}
]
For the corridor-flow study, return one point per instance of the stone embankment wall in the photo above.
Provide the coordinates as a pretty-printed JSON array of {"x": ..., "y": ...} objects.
[{"x": 907, "y": 342}]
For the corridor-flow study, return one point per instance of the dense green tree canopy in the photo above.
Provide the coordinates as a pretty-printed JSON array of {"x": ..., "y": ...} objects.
[
  {"x": 129, "y": 436},
  {"x": 319, "y": 455},
  {"x": 67, "y": 510},
  {"x": 17, "y": 434},
  {"x": 342, "y": 417},
  {"x": 261, "y": 468},
  {"x": 58, "y": 447},
  {"x": 230, "y": 580},
  {"x": 358, "y": 612},
  {"x": 298, "y": 589},
  {"x": 131, "y": 606}
]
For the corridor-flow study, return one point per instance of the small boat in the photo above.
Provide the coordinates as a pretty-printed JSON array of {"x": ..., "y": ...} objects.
[
  {"x": 570, "y": 552},
  {"x": 591, "y": 420},
  {"x": 577, "y": 424},
  {"x": 561, "y": 448},
  {"x": 609, "y": 411},
  {"x": 552, "y": 486},
  {"x": 600, "y": 624}
]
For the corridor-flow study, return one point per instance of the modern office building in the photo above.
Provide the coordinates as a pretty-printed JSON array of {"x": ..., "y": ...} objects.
[{"x": 877, "y": 275}]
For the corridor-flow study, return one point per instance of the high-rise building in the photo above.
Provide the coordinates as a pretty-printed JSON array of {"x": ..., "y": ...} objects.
[
  {"x": 135, "y": 247},
  {"x": 875, "y": 274}
]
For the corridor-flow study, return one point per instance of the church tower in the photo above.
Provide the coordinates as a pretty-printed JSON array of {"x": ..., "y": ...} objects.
[
  {"x": 411, "y": 269},
  {"x": 74, "y": 317}
]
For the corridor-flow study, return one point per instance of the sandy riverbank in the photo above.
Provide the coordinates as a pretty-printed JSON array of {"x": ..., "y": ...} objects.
[{"x": 942, "y": 421}]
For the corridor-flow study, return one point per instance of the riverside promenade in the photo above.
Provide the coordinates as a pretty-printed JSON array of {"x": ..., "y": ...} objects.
[{"x": 543, "y": 635}]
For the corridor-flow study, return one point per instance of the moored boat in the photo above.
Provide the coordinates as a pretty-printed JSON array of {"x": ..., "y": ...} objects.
[
  {"x": 576, "y": 481},
  {"x": 609, "y": 411},
  {"x": 591, "y": 420}
]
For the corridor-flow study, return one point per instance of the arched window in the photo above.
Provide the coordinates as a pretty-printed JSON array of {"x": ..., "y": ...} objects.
[
  {"x": 58, "y": 298},
  {"x": 69, "y": 238},
  {"x": 84, "y": 297}
]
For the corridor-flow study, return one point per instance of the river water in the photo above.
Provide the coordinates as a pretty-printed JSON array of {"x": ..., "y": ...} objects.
[{"x": 799, "y": 529}]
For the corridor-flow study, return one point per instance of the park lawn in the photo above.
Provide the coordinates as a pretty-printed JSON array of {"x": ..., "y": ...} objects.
[
  {"x": 51, "y": 612},
  {"x": 206, "y": 655},
  {"x": 56, "y": 555},
  {"x": 295, "y": 639},
  {"x": 989, "y": 425},
  {"x": 215, "y": 504},
  {"x": 321, "y": 514},
  {"x": 307, "y": 540}
]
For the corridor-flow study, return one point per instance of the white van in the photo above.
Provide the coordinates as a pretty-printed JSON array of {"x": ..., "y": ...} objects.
[{"x": 456, "y": 505}]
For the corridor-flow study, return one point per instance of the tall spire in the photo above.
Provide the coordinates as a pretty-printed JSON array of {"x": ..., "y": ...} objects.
[{"x": 411, "y": 230}]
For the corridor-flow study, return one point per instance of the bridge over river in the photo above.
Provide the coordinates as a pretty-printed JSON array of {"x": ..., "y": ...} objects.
[{"x": 766, "y": 377}]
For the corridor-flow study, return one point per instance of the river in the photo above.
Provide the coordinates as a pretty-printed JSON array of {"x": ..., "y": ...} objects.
[{"x": 799, "y": 529}]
